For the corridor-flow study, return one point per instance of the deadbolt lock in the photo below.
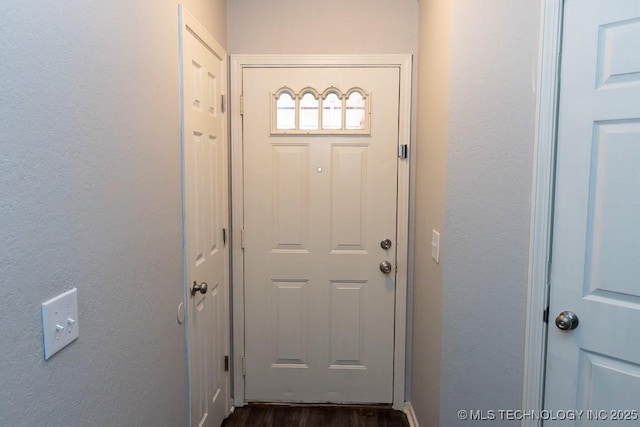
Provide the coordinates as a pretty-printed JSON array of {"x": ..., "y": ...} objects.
[{"x": 385, "y": 244}]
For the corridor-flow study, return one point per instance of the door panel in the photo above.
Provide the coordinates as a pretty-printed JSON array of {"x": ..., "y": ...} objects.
[
  {"x": 348, "y": 198},
  {"x": 205, "y": 189},
  {"x": 348, "y": 313},
  {"x": 290, "y": 197},
  {"x": 319, "y": 312},
  {"x": 596, "y": 248}
]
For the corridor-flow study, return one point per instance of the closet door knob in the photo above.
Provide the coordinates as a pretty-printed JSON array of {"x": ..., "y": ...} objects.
[
  {"x": 202, "y": 288},
  {"x": 567, "y": 320}
]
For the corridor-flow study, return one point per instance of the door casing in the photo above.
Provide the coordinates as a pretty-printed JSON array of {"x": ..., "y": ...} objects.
[
  {"x": 542, "y": 206},
  {"x": 238, "y": 63}
]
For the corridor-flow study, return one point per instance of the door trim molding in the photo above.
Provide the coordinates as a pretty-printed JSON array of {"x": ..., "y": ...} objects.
[
  {"x": 542, "y": 206},
  {"x": 237, "y": 64}
]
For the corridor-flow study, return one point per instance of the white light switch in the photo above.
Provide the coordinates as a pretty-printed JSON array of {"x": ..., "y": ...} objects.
[
  {"x": 435, "y": 246},
  {"x": 60, "y": 322}
]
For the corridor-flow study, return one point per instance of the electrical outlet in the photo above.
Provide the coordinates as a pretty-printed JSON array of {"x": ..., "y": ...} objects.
[
  {"x": 60, "y": 322},
  {"x": 435, "y": 246}
]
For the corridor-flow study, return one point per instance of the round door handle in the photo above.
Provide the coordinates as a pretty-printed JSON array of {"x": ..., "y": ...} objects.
[
  {"x": 202, "y": 288},
  {"x": 567, "y": 320},
  {"x": 385, "y": 267}
]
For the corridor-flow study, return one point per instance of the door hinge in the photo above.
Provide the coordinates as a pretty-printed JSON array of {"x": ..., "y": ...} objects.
[
  {"x": 223, "y": 106},
  {"x": 224, "y": 236},
  {"x": 545, "y": 315},
  {"x": 226, "y": 363},
  {"x": 242, "y": 105},
  {"x": 242, "y": 239},
  {"x": 403, "y": 151},
  {"x": 244, "y": 365}
]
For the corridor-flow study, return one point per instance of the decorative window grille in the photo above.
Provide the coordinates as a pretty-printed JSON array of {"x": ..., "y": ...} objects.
[{"x": 310, "y": 111}]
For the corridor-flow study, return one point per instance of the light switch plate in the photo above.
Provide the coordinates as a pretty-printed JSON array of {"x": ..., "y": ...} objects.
[
  {"x": 435, "y": 246},
  {"x": 60, "y": 322}
]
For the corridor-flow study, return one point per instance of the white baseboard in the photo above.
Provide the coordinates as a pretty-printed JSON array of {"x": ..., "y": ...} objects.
[{"x": 411, "y": 415}]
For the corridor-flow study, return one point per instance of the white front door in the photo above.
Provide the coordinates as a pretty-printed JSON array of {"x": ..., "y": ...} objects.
[
  {"x": 319, "y": 311},
  {"x": 595, "y": 271},
  {"x": 205, "y": 212}
]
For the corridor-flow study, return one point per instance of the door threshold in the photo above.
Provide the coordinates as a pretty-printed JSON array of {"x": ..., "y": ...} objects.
[{"x": 325, "y": 405}]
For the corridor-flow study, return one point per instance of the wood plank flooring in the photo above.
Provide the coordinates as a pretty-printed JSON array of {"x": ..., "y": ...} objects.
[{"x": 311, "y": 416}]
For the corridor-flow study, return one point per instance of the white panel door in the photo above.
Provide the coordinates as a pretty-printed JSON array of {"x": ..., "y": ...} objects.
[
  {"x": 595, "y": 270},
  {"x": 206, "y": 199},
  {"x": 319, "y": 311}
]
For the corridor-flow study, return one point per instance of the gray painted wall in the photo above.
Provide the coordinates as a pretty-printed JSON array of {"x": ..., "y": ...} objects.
[
  {"x": 322, "y": 27},
  {"x": 488, "y": 195},
  {"x": 90, "y": 197},
  {"x": 431, "y": 169}
]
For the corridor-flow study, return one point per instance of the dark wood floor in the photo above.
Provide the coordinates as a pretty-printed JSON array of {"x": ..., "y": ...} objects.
[{"x": 311, "y": 416}]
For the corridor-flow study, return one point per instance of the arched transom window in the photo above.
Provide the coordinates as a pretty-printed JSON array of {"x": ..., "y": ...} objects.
[{"x": 330, "y": 111}]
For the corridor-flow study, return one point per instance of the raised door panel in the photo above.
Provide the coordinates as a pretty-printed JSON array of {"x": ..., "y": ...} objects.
[
  {"x": 618, "y": 59},
  {"x": 349, "y": 187},
  {"x": 613, "y": 241},
  {"x": 291, "y": 323},
  {"x": 290, "y": 197},
  {"x": 608, "y": 389},
  {"x": 348, "y": 323}
]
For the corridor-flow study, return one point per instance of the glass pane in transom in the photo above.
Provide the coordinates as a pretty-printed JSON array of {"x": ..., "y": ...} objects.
[
  {"x": 308, "y": 112},
  {"x": 355, "y": 114},
  {"x": 285, "y": 112},
  {"x": 332, "y": 112}
]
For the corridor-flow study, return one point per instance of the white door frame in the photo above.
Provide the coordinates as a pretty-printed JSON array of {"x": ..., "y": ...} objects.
[
  {"x": 238, "y": 63},
  {"x": 542, "y": 206}
]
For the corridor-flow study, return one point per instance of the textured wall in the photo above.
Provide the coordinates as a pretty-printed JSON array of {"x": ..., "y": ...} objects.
[
  {"x": 212, "y": 14},
  {"x": 488, "y": 193},
  {"x": 329, "y": 26},
  {"x": 90, "y": 198},
  {"x": 431, "y": 147}
]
